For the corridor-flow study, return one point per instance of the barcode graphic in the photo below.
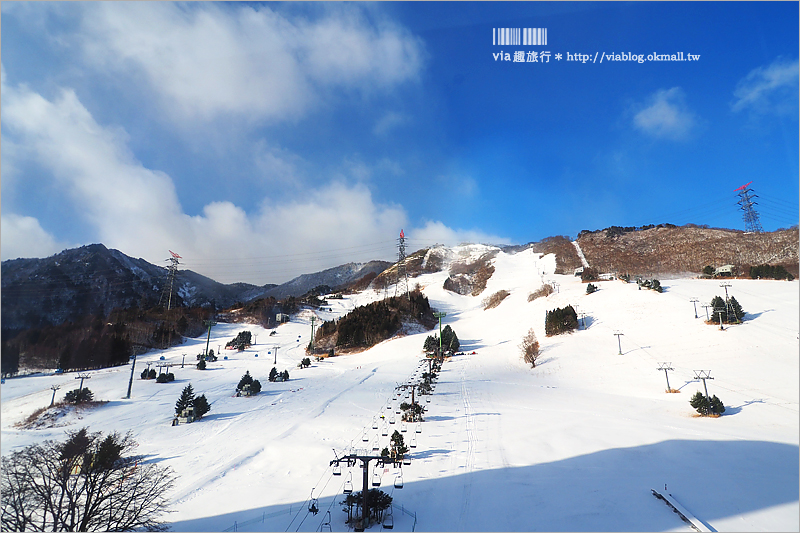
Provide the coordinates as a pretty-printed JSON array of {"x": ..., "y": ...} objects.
[{"x": 519, "y": 36}]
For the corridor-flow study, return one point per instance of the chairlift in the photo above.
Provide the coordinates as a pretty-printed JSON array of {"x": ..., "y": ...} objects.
[
  {"x": 375, "y": 447},
  {"x": 391, "y": 420},
  {"x": 403, "y": 427},
  {"x": 406, "y": 460},
  {"x": 385, "y": 431},
  {"x": 398, "y": 481},
  {"x": 313, "y": 508},
  {"x": 419, "y": 427},
  {"x": 348, "y": 484},
  {"x": 326, "y": 525},
  {"x": 388, "y": 522},
  {"x": 337, "y": 470},
  {"x": 413, "y": 442},
  {"x": 374, "y": 422},
  {"x": 376, "y": 480},
  {"x": 365, "y": 437}
]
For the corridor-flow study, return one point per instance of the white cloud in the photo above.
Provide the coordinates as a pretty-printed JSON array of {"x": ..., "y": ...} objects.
[
  {"x": 665, "y": 115},
  {"x": 23, "y": 236},
  {"x": 437, "y": 232},
  {"x": 136, "y": 210},
  {"x": 772, "y": 88},
  {"x": 206, "y": 60}
]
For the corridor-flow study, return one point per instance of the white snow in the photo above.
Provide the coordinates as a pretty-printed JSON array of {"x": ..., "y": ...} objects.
[{"x": 576, "y": 443}]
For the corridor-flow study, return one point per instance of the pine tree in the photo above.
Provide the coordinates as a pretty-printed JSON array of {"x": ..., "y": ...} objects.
[
  {"x": 247, "y": 379},
  {"x": 700, "y": 403},
  {"x": 738, "y": 312},
  {"x": 273, "y": 374},
  {"x": 186, "y": 399},
  {"x": 716, "y": 406},
  {"x": 201, "y": 406}
]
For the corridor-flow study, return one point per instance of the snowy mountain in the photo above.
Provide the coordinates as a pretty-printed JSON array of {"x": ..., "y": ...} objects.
[{"x": 577, "y": 443}]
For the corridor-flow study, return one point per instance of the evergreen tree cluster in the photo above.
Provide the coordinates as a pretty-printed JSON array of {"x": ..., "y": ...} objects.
[
  {"x": 397, "y": 447},
  {"x": 149, "y": 374},
  {"x": 720, "y": 310},
  {"x": 79, "y": 396},
  {"x": 274, "y": 375},
  {"x": 590, "y": 288},
  {"x": 652, "y": 284},
  {"x": 590, "y": 274},
  {"x": 370, "y": 324},
  {"x": 165, "y": 377},
  {"x": 707, "y": 406},
  {"x": 770, "y": 272},
  {"x": 450, "y": 342},
  {"x": 411, "y": 412},
  {"x": 241, "y": 341},
  {"x": 254, "y": 385},
  {"x": 560, "y": 320},
  {"x": 187, "y": 398},
  {"x": 378, "y": 500},
  {"x": 100, "y": 341}
]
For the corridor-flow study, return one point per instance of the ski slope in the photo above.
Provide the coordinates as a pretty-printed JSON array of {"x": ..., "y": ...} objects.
[{"x": 575, "y": 444}]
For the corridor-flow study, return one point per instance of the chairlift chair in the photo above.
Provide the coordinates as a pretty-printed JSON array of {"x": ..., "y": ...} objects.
[
  {"x": 403, "y": 427},
  {"x": 398, "y": 481},
  {"x": 348, "y": 484},
  {"x": 388, "y": 522},
  {"x": 391, "y": 420},
  {"x": 337, "y": 470},
  {"x": 376, "y": 480},
  {"x": 365, "y": 437},
  {"x": 419, "y": 427},
  {"x": 413, "y": 442},
  {"x": 374, "y": 422},
  {"x": 385, "y": 431},
  {"x": 326, "y": 525},
  {"x": 406, "y": 460}
]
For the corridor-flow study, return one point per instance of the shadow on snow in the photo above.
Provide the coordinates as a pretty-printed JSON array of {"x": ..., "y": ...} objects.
[{"x": 607, "y": 490}]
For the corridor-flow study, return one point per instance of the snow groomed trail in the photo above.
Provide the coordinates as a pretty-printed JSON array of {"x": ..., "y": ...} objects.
[{"x": 575, "y": 444}]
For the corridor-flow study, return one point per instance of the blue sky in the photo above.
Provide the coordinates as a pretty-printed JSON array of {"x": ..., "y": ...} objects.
[{"x": 262, "y": 141}]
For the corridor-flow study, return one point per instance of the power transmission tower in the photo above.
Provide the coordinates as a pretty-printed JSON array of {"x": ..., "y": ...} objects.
[
  {"x": 665, "y": 367},
  {"x": 694, "y": 300},
  {"x": 704, "y": 375},
  {"x": 166, "y": 292},
  {"x": 402, "y": 273},
  {"x": 750, "y": 216}
]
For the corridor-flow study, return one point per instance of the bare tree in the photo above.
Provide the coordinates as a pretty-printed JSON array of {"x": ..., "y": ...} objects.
[
  {"x": 530, "y": 348},
  {"x": 86, "y": 483}
]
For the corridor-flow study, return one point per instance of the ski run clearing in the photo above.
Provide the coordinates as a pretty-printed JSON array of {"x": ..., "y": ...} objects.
[{"x": 578, "y": 443}]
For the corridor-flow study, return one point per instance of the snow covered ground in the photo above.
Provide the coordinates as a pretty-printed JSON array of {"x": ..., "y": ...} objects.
[{"x": 575, "y": 444}]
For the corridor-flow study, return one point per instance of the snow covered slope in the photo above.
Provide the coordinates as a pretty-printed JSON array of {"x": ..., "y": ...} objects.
[{"x": 576, "y": 443}]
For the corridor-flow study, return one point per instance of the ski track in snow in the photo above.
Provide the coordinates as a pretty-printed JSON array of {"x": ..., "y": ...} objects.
[{"x": 540, "y": 438}]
